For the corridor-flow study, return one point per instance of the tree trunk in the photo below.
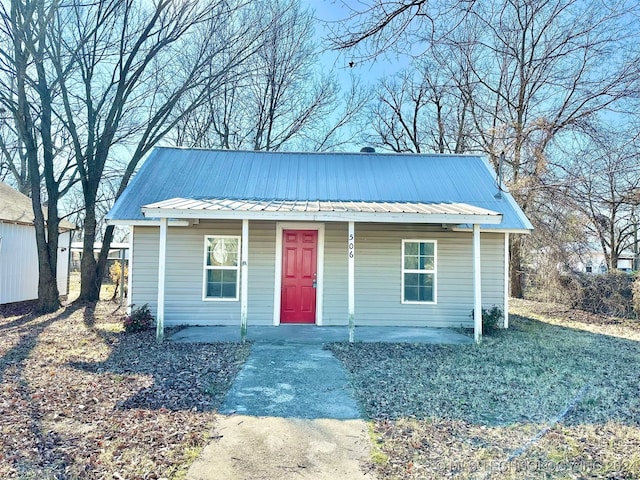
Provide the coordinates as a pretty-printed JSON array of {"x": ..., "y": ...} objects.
[
  {"x": 91, "y": 271},
  {"x": 517, "y": 273},
  {"x": 89, "y": 282}
]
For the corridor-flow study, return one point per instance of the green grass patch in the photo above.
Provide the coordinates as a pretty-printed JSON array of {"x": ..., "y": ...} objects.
[{"x": 495, "y": 410}]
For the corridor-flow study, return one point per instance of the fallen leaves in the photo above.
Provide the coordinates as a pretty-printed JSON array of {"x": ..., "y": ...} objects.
[{"x": 80, "y": 399}]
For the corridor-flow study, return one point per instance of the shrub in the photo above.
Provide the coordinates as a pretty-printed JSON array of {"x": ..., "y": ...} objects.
[
  {"x": 491, "y": 320},
  {"x": 118, "y": 278},
  {"x": 139, "y": 320},
  {"x": 606, "y": 294}
]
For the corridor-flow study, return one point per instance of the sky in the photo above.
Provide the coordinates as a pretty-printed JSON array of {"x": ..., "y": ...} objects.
[{"x": 332, "y": 11}]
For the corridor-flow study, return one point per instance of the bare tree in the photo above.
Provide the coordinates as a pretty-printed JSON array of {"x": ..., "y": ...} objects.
[
  {"x": 29, "y": 91},
  {"x": 281, "y": 99},
  {"x": 603, "y": 181},
  {"x": 140, "y": 68},
  {"x": 81, "y": 78},
  {"x": 13, "y": 159},
  {"x": 422, "y": 110},
  {"x": 532, "y": 70}
]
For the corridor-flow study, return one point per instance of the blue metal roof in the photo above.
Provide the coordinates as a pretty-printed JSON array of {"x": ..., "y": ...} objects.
[{"x": 358, "y": 177}]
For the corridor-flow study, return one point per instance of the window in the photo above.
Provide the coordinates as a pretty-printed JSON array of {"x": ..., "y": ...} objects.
[
  {"x": 221, "y": 267},
  {"x": 418, "y": 271}
]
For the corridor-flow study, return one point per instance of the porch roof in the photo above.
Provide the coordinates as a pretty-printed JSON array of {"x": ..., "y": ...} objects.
[{"x": 370, "y": 211}]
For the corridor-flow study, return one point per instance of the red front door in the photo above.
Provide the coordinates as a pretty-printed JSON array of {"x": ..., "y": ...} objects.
[{"x": 299, "y": 263}]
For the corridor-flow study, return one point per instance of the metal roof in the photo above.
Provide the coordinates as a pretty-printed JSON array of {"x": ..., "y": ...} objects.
[
  {"x": 371, "y": 180},
  {"x": 16, "y": 207},
  {"x": 325, "y": 210}
]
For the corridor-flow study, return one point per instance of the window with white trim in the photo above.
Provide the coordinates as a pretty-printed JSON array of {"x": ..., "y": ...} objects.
[
  {"x": 419, "y": 271},
  {"x": 221, "y": 267}
]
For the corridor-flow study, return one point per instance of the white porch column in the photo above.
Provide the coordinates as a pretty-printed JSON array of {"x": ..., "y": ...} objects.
[
  {"x": 506, "y": 280},
  {"x": 122, "y": 266},
  {"x": 477, "y": 285},
  {"x": 130, "y": 267},
  {"x": 244, "y": 271},
  {"x": 351, "y": 249},
  {"x": 162, "y": 257}
]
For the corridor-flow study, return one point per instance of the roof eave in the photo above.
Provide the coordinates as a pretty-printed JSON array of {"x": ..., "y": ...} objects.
[
  {"x": 377, "y": 217},
  {"x": 465, "y": 228},
  {"x": 148, "y": 222}
]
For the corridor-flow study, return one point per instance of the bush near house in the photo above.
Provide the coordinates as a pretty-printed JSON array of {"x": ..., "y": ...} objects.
[
  {"x": 139, "y": 320},
  {"x": 491, "y": 319}
]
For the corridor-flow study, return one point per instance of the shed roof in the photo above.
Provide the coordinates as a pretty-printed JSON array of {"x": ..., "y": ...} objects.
[
  {"x": 16, "y": 207},
  {"x": 375, "y": 181}
]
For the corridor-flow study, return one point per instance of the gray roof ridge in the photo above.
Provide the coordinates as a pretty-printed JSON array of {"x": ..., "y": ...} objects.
[{"x": 311, "y": 153}]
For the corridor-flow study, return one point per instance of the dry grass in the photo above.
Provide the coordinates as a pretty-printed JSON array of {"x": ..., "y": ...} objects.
[
  {"x": 483, "y": 411},
  {"x": 81, "y": 399}
]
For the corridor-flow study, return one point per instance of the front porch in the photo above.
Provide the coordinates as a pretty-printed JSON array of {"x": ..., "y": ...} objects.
[{"x": 318, "y": 335}]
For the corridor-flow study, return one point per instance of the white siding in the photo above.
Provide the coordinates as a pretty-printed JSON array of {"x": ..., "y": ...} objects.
[
  {"x": 184, "y": 273},
  {"x": 18, "y": 263},
  {"x": 378, "y": 276},
  {"x": 336, "y": 301},
  {"x": 62, "y": 272},
  {"x": 377, "y": 281}
]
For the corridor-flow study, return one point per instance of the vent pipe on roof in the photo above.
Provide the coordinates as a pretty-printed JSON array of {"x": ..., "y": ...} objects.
[{"x": 367, "y": 150}]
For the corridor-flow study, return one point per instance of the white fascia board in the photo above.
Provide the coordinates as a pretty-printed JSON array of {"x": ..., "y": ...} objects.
[
  {"x": 493, "y": 230},
  {"x": 325, "y": 216},
  {"x": 148, "y": 223}
]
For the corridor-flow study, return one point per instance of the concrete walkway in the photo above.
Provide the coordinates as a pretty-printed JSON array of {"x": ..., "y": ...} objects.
[
  {"x": 315, "y": 334},
  {"x": 297, "y": 419},
  {"x": 291, "y": 380},
  {"x": 289, "y": 413},
  {"x": 265, "y": 448}
]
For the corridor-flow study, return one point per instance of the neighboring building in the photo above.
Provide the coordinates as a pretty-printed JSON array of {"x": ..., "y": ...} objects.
[
  {"x": 18, "y": 251},
  {"x": 592, "y": 260},
  {"x": 117, "y": 250},
  {"x": 220, "y": 237}
]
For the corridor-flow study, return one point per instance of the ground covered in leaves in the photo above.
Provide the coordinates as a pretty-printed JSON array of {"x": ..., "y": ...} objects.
[
  {"x": 541, "y": 400},
  {"x": 81, "y": 399}
]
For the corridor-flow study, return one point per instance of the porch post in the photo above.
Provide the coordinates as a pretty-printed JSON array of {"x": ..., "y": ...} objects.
[
  {"x": 162, "y": 256},
  {"x": 122, "y": 275},
  {"x": 506, "y": 280},
  {"x": 351, "y": 249},
  {"x": 477, "y": 287},
  {"x": 244, "y": 271},
  {"x": 130, "y": 267}
]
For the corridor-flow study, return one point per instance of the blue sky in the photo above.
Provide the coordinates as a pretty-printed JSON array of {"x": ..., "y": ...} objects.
[{"x": 369, "y": 71}]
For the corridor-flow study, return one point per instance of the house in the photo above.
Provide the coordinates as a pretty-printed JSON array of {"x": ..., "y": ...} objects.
[
  {"x": 18, "y": 251},
  {"x": 591, "y": 259},
  {"x": 222, "y": 237}
]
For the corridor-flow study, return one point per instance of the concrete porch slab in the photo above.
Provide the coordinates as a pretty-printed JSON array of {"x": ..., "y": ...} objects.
[{"x": 319, "y": 335}]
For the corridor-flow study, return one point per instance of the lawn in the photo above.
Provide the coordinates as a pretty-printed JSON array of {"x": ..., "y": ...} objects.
[
  {"x": 81, "y": 399},
  {"x": 555, "y": 396}
]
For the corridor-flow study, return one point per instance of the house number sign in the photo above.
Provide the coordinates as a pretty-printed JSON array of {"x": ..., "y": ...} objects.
[{"x": 351, "y": 246}]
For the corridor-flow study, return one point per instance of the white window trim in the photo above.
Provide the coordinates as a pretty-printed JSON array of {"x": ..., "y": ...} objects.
[
  {"x": 206, "y": 267},
  {"x": 277, "y": 292},
  {"x": 434, "y": 271}
]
